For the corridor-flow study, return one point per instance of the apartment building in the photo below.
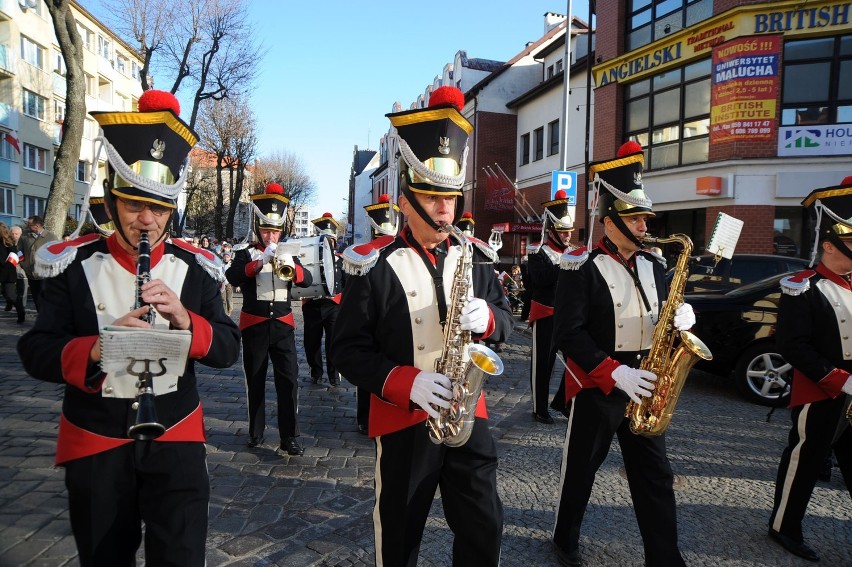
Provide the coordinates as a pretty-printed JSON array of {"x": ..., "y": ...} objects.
[{"x": 32, "y": 102}]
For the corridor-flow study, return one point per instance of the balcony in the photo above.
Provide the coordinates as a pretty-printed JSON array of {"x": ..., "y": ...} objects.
[
  {"x": 8, "y": 116},
  {"x": 10, "y": 172},
  {"x": 6, "y": 10},
  {"x": 60, "y": 85},
  {"x": 7, "y": 61}
]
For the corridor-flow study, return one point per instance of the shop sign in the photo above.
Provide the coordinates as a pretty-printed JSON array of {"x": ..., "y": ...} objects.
[{"x": 833, "y": 140}]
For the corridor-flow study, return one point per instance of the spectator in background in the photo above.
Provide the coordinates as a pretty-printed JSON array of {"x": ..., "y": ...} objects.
[
  {"x": 35, "y": 238},
  {"x": 228, "y": 289},
  {"x": 21, "y": 284},
  {"x": 8, "y": 270}
]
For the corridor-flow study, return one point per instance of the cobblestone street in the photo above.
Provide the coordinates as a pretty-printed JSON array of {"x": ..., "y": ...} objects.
[{"x": 316, "y": 509}]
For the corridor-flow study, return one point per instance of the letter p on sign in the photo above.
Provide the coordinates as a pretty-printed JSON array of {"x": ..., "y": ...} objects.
[{"x": 564, "y": 181}]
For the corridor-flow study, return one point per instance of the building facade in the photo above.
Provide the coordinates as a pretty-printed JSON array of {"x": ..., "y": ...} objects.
[
  {"x": 741, "y": 107},
  {"x": 32, "y": 102}
]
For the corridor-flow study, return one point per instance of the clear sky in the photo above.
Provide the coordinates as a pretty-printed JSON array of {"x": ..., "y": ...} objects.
[{"x": 334, "y": 68}]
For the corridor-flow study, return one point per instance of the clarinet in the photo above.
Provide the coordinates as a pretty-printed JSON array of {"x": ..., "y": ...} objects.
[
  {"x": 143, "y": 275},
  {"x": 146, "y": 426}
]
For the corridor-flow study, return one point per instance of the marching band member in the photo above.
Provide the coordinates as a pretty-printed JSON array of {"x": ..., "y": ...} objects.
[
  {"x": 607, "y": 304},
  {"x": 320, "y": 313},
  {"x": 116, "y": 483},
  {"x": 466, "y": 223},
  {"x": 389, "y": 335},
  {"x": 266, "y": 320},
  {"x": 542, "y": 273},
  {"x": 814, "y": 324}
]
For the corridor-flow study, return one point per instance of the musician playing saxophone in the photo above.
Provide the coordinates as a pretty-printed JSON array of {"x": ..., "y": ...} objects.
[
  {"x": 814, "y": 325},
  {"x": 389, "y": 335},
  {"x": 608, "y": 301},
  {"x": 115, "y": 482}
]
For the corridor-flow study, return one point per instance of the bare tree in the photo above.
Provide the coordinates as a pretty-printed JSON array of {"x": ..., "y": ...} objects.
[
  {"x": 286, "y": 169},
  {"x": 65, "y": 165},
  {"x": 227, "y": 129},
  {"x": 201, "y": 189}
]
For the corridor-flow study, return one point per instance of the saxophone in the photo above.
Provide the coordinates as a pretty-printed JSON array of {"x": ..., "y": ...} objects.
[
  {"x": 673, "y": 353},
  {"x": 466, "y": 365}
]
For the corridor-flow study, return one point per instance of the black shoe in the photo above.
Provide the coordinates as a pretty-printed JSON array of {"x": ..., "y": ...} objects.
[
  {"x": 8, "y": 307},
  {"x": 825, "y": 473},
  {"x": 290, "y": 446},
  {"x": 255, "y": 441},
  {"x": 334, "y": 383},
  {"x": 543, "y": 418},
  {"x": 362, "y": 429},
  {"x": 794, "y": 547},
  {"x": 568, "y": 558},
  {"x": 21, "y": 318}
]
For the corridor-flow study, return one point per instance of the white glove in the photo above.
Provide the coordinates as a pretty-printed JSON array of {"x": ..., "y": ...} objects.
[
  {"x": 269, "y": 253},
  {"x": 847, "y": 387},
  {"x": 634, "y": 382},
  {"x": 431, "y": 389},
  {"x": 474, "y": 316},
  {"x": 684, "y": 317}
]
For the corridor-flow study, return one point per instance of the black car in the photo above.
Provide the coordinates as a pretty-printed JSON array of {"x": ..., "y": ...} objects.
[
  {"x": 739, "y": 329},
  {"x": 706, "y": 276}
]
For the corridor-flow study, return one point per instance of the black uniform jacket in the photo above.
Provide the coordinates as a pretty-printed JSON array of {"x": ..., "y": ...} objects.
[
  {"x": 265, "y": 295},
  {"x": 388, "y": 327},
  {"x": 814, "y": 333},
  {"x": 543, "y": 270},
  {"x": 96, "y": 288},
  {"x": 600, "y": 319}
]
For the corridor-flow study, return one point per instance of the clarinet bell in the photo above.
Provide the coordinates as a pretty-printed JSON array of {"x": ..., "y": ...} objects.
[{"x": 146, "y": 427}]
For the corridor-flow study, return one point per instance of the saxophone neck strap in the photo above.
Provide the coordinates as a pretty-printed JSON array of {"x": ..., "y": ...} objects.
[
  {"x": 435, "y": 269},
  {"x": 632, "y": 269}
]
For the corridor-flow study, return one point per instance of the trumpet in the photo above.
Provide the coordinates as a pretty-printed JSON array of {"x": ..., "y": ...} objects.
[{"x": 283, "y": 267}]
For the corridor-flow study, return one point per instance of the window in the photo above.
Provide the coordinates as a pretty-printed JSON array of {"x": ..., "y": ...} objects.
[
  {"x": 91, "y": 85},
  {"x": 669, "y": 115},
  {"x": 59, "y": 64},
  {"x": 122, "y": 64},
  {"x": 817, "y": 81},
  {"x": 553, "y": 138},
  {"x": 650, "y": 20},
  {"x": 7, "y": 201},
  {"x": 7, "y": 150},
  {"x": 538, "y": 143},
  {"x": 34, "y": 206},
  {"x": 104, "y": 47},
  {"x": 82, "y": 171},
  {"x": 34, "y": 105},
  {"x": 90, "y": 129},
  {"x": 32, "y": 53},
  {"x": 134, "y": 69},
  {"x": 87, "y": 35},
  {"x": 35, "y": 158},
  {"x": 549, "y": 72},
  {"x": 558, "y": 66},
  {"x": 58, "y": 110},
  {"x": 525, "y": 149}
]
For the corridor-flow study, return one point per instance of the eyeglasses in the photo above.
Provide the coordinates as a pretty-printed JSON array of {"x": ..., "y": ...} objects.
[{"x": 134, "y": 206}]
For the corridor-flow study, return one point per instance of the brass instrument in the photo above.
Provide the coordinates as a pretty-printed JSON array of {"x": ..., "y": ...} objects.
[
  {"x": 282, "y": 269},
  {"x": 146, "y": 425},
  {"x": 673, "y": 353},
  {"x": 466, "y": 365}
]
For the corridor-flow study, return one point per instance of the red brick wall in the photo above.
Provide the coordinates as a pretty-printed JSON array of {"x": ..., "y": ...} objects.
[
  {"x": 757, "y": 234},
  {"x": 495, "y": 142}
]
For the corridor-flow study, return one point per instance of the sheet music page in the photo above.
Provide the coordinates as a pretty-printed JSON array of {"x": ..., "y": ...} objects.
[
  {"x": 126, "y": 352},
  {"x": 725, "y": 235}
]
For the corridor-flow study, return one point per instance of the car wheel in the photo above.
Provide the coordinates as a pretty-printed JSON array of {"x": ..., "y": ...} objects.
[{"x": 763, "y": 376}]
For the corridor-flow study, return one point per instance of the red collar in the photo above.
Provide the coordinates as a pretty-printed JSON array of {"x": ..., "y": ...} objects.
[
  {"x": 126, "y": 260},
  {"x": 417, "y": 247},
  {"x": 836, "y": 278},
  {"x": 616, "y": 255}
]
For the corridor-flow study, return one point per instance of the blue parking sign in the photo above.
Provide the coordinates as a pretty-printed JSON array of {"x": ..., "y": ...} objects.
[{"x": 565, "y": 181}]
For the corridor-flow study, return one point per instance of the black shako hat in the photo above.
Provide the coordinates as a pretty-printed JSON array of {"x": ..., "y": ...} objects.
[
  {"x": 270, "y": 208},
  {"x": 326, "y": 224},
  {"x": 383, "y": 216},
  {"x": 619, "y": 183},
  {"x": 147, "y": 150},
  {"x": 432, "y": 143},
  {"x": 832, "y": 209}
]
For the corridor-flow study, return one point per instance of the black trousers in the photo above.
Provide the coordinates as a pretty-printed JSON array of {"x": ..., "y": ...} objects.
[
  {"x": 541, "y": 369},
  {"x": 35, "y": 290},
  {"x": 593, "y": 421},
  {"x": 320, "y": 316},
  {"x": 271, "y": 340},
  {"x": 817, "y": 428},
  {"x": 10, "y": 293},
  {"x": 362, "y": 415},
  {"x": 164, "y": 485},
  {"x": 409, "y": 468}
]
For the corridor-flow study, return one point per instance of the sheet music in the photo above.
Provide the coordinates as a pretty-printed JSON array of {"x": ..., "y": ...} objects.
[
  {"x": 125, "y": 352},
  {"x": 725, "y": 235}
]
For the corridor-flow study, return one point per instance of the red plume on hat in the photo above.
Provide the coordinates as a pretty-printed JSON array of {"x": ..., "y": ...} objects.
[
  {"x": 274, "y": 188},
  {"x": 467, "y": 215},
  {"x": 628, "y": 149},
  {"x": 847, "y": 180},
  {"x": 447, "y": 95},
  {"x": 152, "y": 101},
  {"x": 384, "y": 198},
  {"x": 561, "y": 194}
]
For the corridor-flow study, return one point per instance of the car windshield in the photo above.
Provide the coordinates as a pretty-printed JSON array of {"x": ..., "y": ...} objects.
[{"x": 758, "y": 285}]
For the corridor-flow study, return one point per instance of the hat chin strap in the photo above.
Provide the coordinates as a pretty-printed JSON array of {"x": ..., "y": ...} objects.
[
  {"x": 834, "y": 239},
  {"x": 421, "y": 212},
  {"x": 619, "y": 223}
]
